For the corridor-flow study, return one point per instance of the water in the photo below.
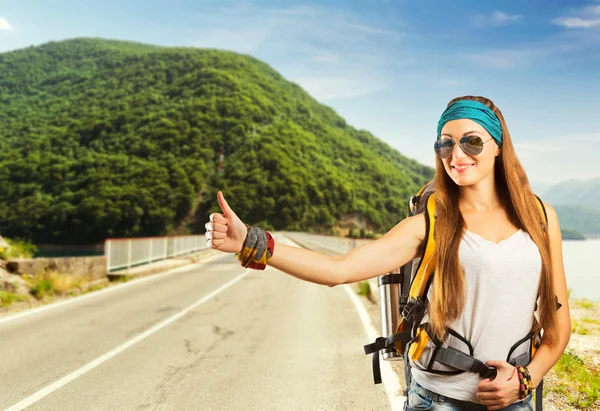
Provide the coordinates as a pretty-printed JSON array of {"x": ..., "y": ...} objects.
[{"x": 582, "y": 268}]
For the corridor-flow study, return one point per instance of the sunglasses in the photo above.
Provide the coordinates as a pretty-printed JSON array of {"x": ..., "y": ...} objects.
[{"x": 471, "y": 145}]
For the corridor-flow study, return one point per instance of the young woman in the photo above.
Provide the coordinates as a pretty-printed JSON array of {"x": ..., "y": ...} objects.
[{"x": 496, "y": 261}]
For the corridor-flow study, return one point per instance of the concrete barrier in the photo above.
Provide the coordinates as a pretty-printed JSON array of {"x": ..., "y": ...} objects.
[{"x": 88, "y": 267}]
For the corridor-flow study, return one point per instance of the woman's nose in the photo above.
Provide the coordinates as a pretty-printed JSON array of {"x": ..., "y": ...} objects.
[{"x": 458, "y": 152}]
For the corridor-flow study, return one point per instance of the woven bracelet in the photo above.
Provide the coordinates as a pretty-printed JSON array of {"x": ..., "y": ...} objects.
[
  {"x": 257, "y": 250},
  {"x": 525, "y": 383}
]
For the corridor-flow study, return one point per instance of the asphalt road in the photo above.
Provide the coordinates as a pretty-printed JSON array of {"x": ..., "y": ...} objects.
[{"x": 210, "y": 337}]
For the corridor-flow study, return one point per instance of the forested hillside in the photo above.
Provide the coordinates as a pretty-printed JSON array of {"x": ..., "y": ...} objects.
[
  {"x": 575, "y": 193},
  {"x": 109, "y": 139},
  {"x": 586, "y": 220}
]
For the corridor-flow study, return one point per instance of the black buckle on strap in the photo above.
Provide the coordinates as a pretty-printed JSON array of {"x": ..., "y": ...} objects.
[
  {"x": 378, "y": 345},
  {"x": 458, "y": 359},
  {"x": 383, "y": 343},
  {"x": 414, "y": 308}
]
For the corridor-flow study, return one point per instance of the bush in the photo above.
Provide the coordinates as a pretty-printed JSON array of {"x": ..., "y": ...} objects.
[
  {"x": 18, "y": 248},
  {"x": 42, "y": 289}
]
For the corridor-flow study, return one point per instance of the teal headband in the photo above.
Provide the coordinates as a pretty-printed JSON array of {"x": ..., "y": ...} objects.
[{"x": 476, "y": 111}]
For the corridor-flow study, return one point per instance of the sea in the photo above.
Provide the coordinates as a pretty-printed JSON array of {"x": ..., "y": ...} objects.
[{"x": 581, "y": 261}]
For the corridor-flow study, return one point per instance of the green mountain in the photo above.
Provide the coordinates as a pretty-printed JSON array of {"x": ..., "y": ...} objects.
[
  {"x": 585, "y": 220},
  {"x": 110, "y": 139},
  {"x": 539, "y": 187},
  {"x": 571, "y": 235},
  {"x": 575, "y": 193},
  {"x": 577, "y": 204}
]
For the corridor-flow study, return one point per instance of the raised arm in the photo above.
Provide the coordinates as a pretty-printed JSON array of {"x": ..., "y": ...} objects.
[{"x": 397, "y": 247}]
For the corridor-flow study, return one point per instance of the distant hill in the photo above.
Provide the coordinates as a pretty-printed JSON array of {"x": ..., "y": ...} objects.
[
  {"x": 571, "y": 235},
  {"x": 575, "y": 193},
  {"x": 581, "y": 219},
  {"x": 110, "y": 139},
  {"x": 539, "y": 188},
  {"x": 577, "y": 204}
]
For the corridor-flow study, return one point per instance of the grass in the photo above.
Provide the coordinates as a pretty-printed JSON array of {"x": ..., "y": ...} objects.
[
  {"x": 49, "y": 284},
  {"x": 585, "y": 304},
  {"x": 578, "y": 328},
  {"x": 95, "y": 287},
  {"x": 7, "y": 298},
  {"x": 582, "y": 387},
  {"x": 364, "y": 289},
  {"x": 45, "y": 286}
]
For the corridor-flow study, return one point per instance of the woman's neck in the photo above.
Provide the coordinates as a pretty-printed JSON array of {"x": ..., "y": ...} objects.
[{"x": 479, "y": 197}]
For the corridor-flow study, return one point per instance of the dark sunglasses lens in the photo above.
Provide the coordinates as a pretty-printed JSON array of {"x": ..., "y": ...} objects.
[
  {"x": 443, "y": 148},
  {"x": 471, "y": 145}
]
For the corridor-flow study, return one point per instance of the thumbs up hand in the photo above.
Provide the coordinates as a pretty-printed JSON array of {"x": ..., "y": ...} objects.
[{"x": 225, "y": 232}]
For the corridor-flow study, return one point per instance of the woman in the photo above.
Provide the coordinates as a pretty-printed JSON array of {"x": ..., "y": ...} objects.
[{"x": 494, "y": 259}]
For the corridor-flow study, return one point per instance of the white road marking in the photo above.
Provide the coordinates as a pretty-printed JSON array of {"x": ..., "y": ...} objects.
[
  {"x": 101, "y": 292},
  {"x": 32, "y": 399},
  {"x": 388, "y": 376}
]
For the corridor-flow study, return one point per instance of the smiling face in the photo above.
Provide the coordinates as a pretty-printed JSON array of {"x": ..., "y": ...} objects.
[{"x": 465, "y": 169}]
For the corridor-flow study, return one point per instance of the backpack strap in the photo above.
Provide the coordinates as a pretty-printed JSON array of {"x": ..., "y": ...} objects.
[
  {"x": 414, "y": 308},
  {"x": 543, "y": 210},
  {"x": 422, "y": 280}
]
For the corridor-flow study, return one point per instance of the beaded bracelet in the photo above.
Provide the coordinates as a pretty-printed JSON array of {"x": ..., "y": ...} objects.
[
  {"x": 257, "y": 250},
  {"x": 525, "y": 383}
]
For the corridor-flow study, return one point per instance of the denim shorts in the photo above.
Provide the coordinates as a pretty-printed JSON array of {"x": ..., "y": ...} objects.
[{"x": 421, "y": 399}]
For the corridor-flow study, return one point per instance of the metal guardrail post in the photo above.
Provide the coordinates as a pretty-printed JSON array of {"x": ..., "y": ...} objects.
[
  {"x": 107, "y": 253},
  {"x": 129, "y": 254}
]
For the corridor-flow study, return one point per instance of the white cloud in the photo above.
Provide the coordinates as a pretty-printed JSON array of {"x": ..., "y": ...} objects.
[
  {"x": 502, "y": 59},
  {"x": 499, "y": 17},
  {"x": 246, "y": 40},
  {"x": 535, "y": 52},
  {"x": 564, "y": 47},
  {"x": 577, "y": 22},
  {"x": 561, "y": 158},
  {"x": 5, "y": 25},
  {"x": 586, "y": 18},
  {"x": 369, "y": 29},
  {"x": 333, "y": 87},
  {"x": 494, "y": 19},
  {"x": 536, "y": 149},
  {"x": 451, "y": 82},
  {"x": 332, "y": 53}
]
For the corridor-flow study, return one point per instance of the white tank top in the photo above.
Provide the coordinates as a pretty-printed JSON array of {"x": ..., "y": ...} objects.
[{"x": 501, "y": 290}]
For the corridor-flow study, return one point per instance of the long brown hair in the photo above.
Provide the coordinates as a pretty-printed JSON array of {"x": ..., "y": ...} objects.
[{"x": 523, "y": 210}]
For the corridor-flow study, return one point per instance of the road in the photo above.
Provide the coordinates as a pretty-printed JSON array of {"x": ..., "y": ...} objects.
[{"x": 212, "y": 336}]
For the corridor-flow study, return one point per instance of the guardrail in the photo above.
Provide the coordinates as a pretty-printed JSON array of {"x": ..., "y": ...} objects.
[
  {"x": 337, "y": 244},
  {"x": 130, "y": 252}
]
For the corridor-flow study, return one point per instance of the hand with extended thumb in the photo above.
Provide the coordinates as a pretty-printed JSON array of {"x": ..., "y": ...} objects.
[{"x": 225, "y": 232}]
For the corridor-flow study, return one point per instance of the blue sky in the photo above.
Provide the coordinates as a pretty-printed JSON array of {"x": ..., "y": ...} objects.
[{"x": 388, "y": 66}]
